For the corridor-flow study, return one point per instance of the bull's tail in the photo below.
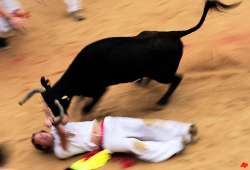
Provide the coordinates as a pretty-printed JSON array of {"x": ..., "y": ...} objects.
[{"x": 210, "y": 4}]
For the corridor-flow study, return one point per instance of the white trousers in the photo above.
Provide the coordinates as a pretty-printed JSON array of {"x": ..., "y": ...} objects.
[
  {"x": 73, "y": 5},
  {"x": 150, "y": 140},
  {"x": 9, "y": 6}
]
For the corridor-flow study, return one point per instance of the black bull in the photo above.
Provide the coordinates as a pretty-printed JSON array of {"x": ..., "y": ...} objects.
[{"x": 115, "y": 60}]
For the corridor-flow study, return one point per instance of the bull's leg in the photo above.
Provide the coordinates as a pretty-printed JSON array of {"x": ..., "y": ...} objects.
[
  {"x": 175, "y": 81},
  {"x": 143, "y": 81},
  {"x": 89, "y": 106}
]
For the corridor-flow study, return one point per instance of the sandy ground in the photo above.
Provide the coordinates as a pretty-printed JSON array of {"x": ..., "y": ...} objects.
[{"x": 214, "y": 93}]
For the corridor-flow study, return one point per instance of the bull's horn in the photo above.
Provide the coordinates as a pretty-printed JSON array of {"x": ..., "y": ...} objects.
[
  {"x": 58, "y": 104},
  {"x": 30, "y": 94}
]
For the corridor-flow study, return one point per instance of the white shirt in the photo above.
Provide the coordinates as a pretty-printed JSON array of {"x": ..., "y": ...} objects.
[{"x": 80, "y": 142}]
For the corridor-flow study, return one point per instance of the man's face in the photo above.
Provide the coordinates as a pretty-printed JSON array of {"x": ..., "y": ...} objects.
[{"x": 44, "y": 138}]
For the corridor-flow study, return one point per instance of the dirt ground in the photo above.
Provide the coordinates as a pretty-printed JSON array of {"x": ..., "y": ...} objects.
[{"x": 214, "y": 93}]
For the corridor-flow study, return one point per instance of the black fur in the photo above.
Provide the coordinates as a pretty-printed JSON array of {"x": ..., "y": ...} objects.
[{"x": 115, "y": 60}]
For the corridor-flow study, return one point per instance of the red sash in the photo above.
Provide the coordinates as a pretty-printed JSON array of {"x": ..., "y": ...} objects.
[{"x": 102, "y": 132}]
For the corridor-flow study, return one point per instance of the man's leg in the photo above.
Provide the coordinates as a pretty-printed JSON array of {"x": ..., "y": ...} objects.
[
  {"x": 150, "y": 140},
  {"x": 73, "y": 8},
  {"x": 152, "y": 151},
  {"x": 164, "y": 130},
  {"x": 15, "y": 9},
  {"x": 152, "y": 129},
  {"x": 156, "y": 151},
  {"x": 4, "y": 28},
  {"x": 11, "y": 5}
]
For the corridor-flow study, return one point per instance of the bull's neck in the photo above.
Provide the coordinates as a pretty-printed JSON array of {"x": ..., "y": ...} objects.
[{"x": 64, "y": 88}]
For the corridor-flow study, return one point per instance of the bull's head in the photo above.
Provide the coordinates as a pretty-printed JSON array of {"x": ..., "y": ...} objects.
[{"x": 56, "y": 101}]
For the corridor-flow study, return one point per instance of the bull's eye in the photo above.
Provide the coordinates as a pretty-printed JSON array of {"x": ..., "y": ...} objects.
[{"x": 65, "y": 97}]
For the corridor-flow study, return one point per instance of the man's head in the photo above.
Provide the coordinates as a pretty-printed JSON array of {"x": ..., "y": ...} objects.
[{"x": 43, "y": 141}]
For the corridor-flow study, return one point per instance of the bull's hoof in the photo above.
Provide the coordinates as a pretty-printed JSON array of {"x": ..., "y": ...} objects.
[
  {"x": 162, "y": 102},
  {"x": 158, "y": 107}
]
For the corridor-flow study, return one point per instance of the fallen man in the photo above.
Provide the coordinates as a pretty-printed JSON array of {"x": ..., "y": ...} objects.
[{"x": 152, "y": 140}]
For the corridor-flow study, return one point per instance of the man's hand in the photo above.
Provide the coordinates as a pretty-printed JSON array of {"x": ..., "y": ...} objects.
[
  {"x": 17, "y": 23},
  {"x": 48, "y": 122},
  {"x": 65, "y": 119},
  {"x": 63, "y": 136}
]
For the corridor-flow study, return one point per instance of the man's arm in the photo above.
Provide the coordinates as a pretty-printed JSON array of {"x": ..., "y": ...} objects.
[
  {"x": 64, "y": 149},
  {"x": 49, "y": 117},
  {"x": 15, "y": 22},
  {"x": 50, "y": 120},
  {"x": 63, "y": 135}
]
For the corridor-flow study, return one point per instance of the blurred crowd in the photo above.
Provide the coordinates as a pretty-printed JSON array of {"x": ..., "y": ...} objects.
[{"x": 13, "y": 17}]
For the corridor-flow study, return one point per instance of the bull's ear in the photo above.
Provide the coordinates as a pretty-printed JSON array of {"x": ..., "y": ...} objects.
[{"x": 45, "y": 82}]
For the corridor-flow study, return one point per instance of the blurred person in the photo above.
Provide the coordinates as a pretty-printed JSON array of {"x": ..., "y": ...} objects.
[
  {"x": 12, "y": 16},
  {"x": 74, "y": 8},
  {"x": 3, "y": 156},
  {"x": 152, "y": 140}
]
